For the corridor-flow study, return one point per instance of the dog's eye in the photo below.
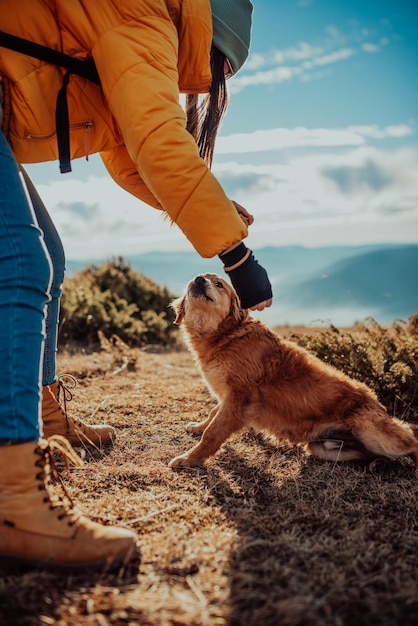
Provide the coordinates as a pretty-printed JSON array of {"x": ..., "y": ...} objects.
[{"x": 219, "y": 284}]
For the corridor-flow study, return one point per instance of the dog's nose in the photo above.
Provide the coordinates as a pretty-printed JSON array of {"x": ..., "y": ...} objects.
[{"x": 200, "y": 281}]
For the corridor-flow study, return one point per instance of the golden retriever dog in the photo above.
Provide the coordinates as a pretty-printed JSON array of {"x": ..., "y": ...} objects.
[{"x": 272, "y": 385}]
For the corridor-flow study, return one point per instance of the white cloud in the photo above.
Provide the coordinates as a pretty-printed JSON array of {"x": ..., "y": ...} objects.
[
  {"x": 296, "y": 53},
  {"x": 255, "y": 62},
  {"x": 303, "y": 67},
  {"x": 281, "y": 138},
  {"x": 300, "y": 60},
  {"x": 305, "y": 204},
  {"x": 347, "y": 193},
  {"x": 334, "y": 32},
  {"x": 97, "y": 218},
  {"x": 300, "y": 51},
  {"x": 266, "y": 77},
  {"x": 375, "y": 132},
  {"x": 370, "y": 47},
  {"x": 333, "y": 57}
]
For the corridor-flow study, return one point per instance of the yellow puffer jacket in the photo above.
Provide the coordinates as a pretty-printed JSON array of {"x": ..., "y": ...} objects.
[{"x": 146, "y": 52}]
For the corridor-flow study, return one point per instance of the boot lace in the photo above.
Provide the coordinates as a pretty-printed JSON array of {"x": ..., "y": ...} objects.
[
  {"x": 67, "y": 382},
  {"x": 49, "y": 475}
]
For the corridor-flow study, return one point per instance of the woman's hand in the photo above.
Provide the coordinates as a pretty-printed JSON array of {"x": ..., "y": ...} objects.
[
  {"x": 262, "y": 305},
  {"x": 246, "y": 217}
]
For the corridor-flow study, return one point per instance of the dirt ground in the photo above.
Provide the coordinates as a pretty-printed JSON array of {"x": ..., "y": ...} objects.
[{"x": 262, "y": 535}]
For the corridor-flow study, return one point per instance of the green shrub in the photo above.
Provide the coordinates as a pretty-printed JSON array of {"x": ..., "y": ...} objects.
[
  {"x": 386, "y": 359},
  {"x": 113, "y": 300}
]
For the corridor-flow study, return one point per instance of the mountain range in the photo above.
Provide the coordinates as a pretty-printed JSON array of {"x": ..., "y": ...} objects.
[{"x": 311, "y": 286}]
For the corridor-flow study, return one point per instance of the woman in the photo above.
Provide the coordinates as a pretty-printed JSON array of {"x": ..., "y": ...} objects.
[{"x": 146, "y": 53}]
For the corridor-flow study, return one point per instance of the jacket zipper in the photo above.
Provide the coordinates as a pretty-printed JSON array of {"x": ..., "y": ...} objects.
[{"x": 86, "y": 125}]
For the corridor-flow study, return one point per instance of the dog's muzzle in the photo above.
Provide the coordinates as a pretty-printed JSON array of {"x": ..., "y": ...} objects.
[{"x": 198, "y": 288}]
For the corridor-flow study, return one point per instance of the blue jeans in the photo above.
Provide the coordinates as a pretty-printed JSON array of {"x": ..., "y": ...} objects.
[
  {"x": 56, "y": 254},
  {"x": 26, "y": 287}
]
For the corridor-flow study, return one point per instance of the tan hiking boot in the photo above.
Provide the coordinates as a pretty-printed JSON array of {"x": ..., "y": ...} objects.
[
  {"x": 39, "y": 528},
  {"x": 57, "y": 422}
]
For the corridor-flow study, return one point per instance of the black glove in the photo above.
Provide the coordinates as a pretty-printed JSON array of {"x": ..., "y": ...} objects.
[{"x": 249, "y": 279}]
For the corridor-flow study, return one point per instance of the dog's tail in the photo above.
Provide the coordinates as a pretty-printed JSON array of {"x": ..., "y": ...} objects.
[
  {"x": 388, "y": 437},
  {"x": 368, "y": 438}
]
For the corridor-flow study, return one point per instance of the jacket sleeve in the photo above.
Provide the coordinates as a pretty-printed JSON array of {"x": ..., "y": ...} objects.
[
  {"x": 140, "y": 81},
  {"x": 123, "y": 171}
]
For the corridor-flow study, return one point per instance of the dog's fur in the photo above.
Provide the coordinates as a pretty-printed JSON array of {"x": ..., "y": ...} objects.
[{"x": 273, "y": 385}]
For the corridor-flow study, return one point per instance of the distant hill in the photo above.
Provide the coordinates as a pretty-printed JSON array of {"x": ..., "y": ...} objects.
[
  {"x": 341, "y": 285},
  {"x": 382, "y": 283}
]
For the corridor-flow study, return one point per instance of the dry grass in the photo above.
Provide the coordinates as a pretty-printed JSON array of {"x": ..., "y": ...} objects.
[{"x": 261, "y": 536}]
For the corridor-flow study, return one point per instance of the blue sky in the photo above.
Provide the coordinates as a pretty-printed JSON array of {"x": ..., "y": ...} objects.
[{"x": 320, "y": 141}]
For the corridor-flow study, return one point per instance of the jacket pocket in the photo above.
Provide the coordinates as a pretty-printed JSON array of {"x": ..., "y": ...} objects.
[{"x": 87, "y": 126}]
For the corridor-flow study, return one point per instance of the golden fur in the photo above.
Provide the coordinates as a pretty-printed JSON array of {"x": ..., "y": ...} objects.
[{"x": 273, "y": 385}]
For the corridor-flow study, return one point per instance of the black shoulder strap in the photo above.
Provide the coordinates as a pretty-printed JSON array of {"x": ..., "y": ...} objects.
[{"x": 85, "y": 69}]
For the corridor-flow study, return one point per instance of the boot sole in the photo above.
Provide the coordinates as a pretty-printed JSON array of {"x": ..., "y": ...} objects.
[{"x": 120, "y": 561}]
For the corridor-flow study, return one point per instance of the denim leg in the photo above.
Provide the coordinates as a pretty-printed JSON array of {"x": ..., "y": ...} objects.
[
  {"x": 56, "y": 254},
  {"x": 25, "y": 274}
]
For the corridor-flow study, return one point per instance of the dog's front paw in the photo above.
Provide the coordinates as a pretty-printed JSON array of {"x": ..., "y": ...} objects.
[{"x": 181, "y": 461}]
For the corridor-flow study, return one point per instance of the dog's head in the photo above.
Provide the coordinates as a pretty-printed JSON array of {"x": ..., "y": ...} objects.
[{"x": 208, "y": 301}]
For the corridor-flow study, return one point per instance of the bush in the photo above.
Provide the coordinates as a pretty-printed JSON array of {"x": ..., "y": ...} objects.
[
  {"x": 386, "y": 359},
  {"x": 113, "y": 300}
]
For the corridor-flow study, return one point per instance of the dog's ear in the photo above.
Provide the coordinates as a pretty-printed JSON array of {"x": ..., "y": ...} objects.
[
  {"x": 179, "y": 308},
  {"x": 238, "y": 313}
]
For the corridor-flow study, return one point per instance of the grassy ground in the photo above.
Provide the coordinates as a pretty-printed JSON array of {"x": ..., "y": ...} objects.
[{"x": 261, "y": 536}]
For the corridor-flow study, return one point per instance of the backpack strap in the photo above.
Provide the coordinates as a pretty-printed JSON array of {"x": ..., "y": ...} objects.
[{"x": 85, "y": 69}]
